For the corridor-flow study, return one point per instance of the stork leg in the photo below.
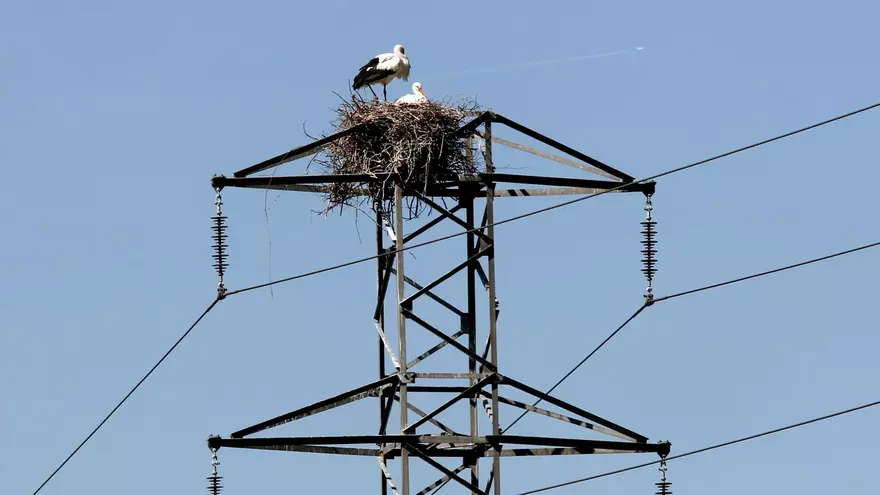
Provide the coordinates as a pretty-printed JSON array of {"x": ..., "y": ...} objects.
[
  {"x": 374, "y": 93},
  {"x": 385, "y": 92}
]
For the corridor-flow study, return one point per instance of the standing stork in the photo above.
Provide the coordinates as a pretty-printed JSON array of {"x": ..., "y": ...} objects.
[
  {"x": 383, "y": 69},
  {"x": 417, "y": 96}
]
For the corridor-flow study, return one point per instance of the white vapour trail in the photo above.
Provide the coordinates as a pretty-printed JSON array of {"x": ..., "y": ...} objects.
[{"x": 535, "y": 63}]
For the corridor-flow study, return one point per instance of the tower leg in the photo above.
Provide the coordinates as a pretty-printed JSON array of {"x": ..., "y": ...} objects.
[
  {"x": 401, "y": 333},
  {"x": 493, "y": 335},
  {"x": 380, "y": 317},
  {"x": 468, "y": 202}
]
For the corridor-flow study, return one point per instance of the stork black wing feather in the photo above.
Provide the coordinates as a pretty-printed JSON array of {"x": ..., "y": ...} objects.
[
  {"x": 372, "y": 63},
  {"x": 369, "y": 75}
]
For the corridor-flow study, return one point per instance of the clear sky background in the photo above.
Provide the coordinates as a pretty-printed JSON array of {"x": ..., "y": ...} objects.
[{"x": 114, "y": 116}]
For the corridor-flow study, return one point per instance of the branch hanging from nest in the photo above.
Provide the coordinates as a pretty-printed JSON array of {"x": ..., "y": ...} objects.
[{"x": 416, "y": 142}]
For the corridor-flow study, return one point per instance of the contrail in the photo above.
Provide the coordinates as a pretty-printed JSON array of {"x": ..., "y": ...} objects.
[{"x": 535, "y": 63}]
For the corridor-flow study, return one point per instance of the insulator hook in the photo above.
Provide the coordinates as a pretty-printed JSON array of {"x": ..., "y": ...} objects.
[
  {"x": 663, "y": 485},
  {"x": 214, "y": 485}
]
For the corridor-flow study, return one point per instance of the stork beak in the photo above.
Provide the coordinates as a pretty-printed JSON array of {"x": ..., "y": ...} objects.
[{"x": 422, "y": 91}]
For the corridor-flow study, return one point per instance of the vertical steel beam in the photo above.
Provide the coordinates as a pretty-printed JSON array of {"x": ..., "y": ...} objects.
[
  {"x": 493, "y": 336},
  {"x": 472, "y": 321},
  {"x": 401, "y": 331},
  {"x": 380, "y": 322}
]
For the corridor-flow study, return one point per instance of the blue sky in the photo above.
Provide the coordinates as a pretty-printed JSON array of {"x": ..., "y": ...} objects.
[{"x": 114, "y": 117}]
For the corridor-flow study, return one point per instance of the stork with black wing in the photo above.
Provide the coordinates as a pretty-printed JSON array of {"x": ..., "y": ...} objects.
[{"x": 383, "y": 69}]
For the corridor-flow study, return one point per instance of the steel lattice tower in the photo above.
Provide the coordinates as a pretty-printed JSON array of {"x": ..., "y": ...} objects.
[{"x": 482, "y": 383}]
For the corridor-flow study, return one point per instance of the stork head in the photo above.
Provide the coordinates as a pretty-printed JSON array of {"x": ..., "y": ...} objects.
[
  {"x": 399, "y": 50},
  {"x": 417, "y": 88}
]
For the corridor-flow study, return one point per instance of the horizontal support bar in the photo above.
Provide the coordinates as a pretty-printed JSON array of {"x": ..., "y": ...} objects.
[
  {"x": 525, "y": 452},
  {"x": 547, "y": 191},
  {"x": 497, "y": 440},
  {"x": 286, "y": 180},
  {"x": 451, "y": 376},
  {"x": 318, "y": 449},
  {"x": 282, "y": 182},
  {"x": 217, "y": 442},
  {"x": 518, "y": 452},
  {"x": 563, "y": 182},
  {"x": 436, "y": 389},
  {"x": 485, "y": 443}
]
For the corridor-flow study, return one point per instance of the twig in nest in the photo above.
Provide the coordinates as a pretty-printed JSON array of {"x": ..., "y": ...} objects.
[{"x": 413, "y": 145}]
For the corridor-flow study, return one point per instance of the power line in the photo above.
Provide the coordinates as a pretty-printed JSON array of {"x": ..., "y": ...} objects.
[
  {"x": 689, "y": 292},
  {"x": 706, "y": 449},
  {"x": 584, "y": 360},
  {"x": 562, "y": 204},
  {"x": 672, "y": 296},
  {"x": 209, "y": 308},
  {"x": 565, "y": 377},
  {"x": 768, "y": 272}
]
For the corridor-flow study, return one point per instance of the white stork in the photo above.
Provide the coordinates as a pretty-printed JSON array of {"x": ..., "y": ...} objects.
[
  {"x": 418, "y": 95},
  {"x": 383, "y": 69}
]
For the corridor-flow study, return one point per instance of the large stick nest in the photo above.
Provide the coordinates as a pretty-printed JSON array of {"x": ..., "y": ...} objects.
[{"x": 414, "y": 141}]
